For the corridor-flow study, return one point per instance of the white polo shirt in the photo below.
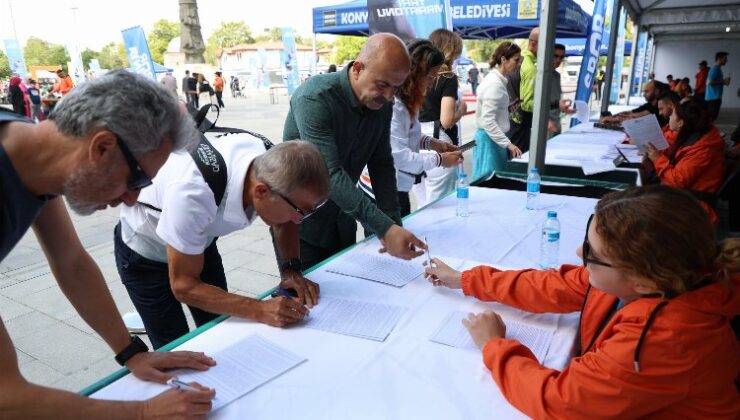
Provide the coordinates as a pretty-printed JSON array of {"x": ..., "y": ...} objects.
[{"x": 190, "y": 220}]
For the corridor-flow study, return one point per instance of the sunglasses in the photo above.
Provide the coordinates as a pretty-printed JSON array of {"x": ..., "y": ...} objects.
[
  {"x": 304, "y": 214},
  {"x": 586, "y": 249},
  {"x": 139, "y": 178}
]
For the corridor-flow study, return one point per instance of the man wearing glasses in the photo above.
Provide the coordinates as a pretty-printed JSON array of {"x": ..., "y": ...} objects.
[
  {"x": 165, "y": 243},
  {"x": 104, "y": 141},
  {"x": 347, "y": 114},
  {"x": 557, "y": 105}
]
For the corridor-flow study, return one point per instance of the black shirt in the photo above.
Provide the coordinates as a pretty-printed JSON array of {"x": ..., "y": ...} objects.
[
  {"x": 653, "y": 109},
  {"x": 444, "y": 85},
  {"x": 18, "y": 206}
]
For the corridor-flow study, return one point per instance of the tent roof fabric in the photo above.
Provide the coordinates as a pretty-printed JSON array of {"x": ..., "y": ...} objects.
[
  {"x": 687, "y": 19},
  {"x": 472, "y": 19}
]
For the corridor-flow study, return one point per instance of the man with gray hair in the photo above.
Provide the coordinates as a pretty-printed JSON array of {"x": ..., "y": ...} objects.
[
  {"x": 347, "y": 114},
  {"x": 165, "y": 244},
  {"x": 105, "y": 141}
]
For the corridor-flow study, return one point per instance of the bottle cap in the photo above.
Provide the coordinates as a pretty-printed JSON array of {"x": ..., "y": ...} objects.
[
  {"x": 552, "y": 214},
  {"x": 533, "y": 170},
  {"x": 462, "y": 175}
]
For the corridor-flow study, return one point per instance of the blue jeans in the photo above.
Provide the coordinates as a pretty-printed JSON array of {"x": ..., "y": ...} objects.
[{"x": 148, "y": 285}]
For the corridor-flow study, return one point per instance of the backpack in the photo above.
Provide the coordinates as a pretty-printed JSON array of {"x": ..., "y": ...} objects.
[{"x": 209, "y": 161}]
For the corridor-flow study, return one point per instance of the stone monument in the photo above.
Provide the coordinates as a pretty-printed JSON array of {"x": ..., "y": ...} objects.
[{"x": 191, "y": 40}]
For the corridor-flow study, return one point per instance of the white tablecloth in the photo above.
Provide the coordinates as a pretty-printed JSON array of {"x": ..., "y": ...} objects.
[
  {"x": 407, "y": 376},
  {"x": 581, "y": 143}
]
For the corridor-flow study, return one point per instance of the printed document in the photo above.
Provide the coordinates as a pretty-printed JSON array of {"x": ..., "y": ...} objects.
[
  {"x": 377, "y": 267},
  {"x": 242, "y": 367},
  {"x": 453, "y": 333},
  {"x": 367, "y": 320},
  {"x": 645, "y": 130}
]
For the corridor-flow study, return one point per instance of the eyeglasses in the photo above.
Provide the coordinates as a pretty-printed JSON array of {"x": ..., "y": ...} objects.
[
  {"x": 304, "y": 214},
  {"x": 586, "y": 249},
  {"x": 139, "y": 178}
]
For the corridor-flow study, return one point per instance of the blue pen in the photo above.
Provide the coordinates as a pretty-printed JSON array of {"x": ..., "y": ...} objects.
[
  {"x": 176, "y": 383},
  {"x": 289, "y": 293}
]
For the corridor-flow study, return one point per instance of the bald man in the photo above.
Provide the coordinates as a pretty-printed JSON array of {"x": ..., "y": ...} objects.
[
  {"x": 347, "y": 114},
  {"x": 522, "y": 129}
]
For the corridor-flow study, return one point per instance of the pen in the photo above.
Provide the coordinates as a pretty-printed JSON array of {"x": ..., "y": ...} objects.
[
  {"x": 429, "y": 259},
  {"x": 176, "y": 383}
]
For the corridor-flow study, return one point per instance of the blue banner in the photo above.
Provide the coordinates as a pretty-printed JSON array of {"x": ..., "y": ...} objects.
[
  {"x": 618, "y": 59},
  {"x": 648, "y": 61},
  {"x": 638, "y": 67},
  {"x": 408, "y": 19},
  {"x": 591, "y": 53},
  {"x": 137, "y": 51},
  {"x": 15, "y": 57},
  {"x": 291, "y": 72}
]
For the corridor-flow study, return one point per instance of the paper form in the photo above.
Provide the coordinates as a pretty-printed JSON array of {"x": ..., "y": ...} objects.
[
  {"x": 582, "y": 111},
  {"x": 355, "y": 318},
  {"x": 630, "y": 153},
  {"x": 377, "y": 267},
  {"x": 452, "y": 332},
  {"x": 242, "y": 367},
  {"x": 645, "y": 130}
]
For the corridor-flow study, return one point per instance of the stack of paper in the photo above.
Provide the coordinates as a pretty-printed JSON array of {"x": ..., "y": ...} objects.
[
  {"x": 355, "y": 318},
  {"x": 243, "y": 367},
  {"x": 645, "y": 130},
  {"x": 381, "y": 268},
  {"x": 452, "y": 333}
]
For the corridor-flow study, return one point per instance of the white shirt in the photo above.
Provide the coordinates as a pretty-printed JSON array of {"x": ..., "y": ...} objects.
[
  {"x": 492, "y": 113},
  {"x": 190, "y": 220},
  {"x": 406, "y": 141}
]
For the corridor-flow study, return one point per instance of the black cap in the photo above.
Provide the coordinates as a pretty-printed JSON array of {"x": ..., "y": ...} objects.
[{"x": 703, "y": 63}]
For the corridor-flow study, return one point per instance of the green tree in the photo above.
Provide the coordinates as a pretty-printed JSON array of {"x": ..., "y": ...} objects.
[
  {"x": 347, "y": 47},
  {"x": 4, "y": 66},
  {"x": 159, "y": 38},
  {"x": 272, "y": 34},
  {"x": 113, "y": 56},
  {"x": 88, "y": 55},
  {"x": 228, "y": 34},
  {"x": 38, "y": 52}
]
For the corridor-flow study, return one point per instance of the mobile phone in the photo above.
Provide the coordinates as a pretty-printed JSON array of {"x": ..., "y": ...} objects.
[{"x": 467, "y": 146}]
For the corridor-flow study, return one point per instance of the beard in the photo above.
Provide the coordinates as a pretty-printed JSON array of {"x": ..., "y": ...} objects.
[{"x": 85, "y": 187}]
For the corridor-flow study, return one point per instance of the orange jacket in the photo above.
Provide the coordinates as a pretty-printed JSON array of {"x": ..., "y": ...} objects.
[
  {"x": 670, "y": 135},
  {"x": 218, "y": 84},
  {"x": 688, "y": 358},
  {"x": 64, "y": 86},
  {"x": 700, "y": 86},
  {"x": 698, "y": 167}
]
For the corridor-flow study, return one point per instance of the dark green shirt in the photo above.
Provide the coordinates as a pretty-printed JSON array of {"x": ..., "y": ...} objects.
[{"x": 325, "y": 112}]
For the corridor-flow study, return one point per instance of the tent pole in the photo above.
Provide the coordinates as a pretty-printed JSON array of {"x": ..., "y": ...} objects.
[
  {"x": 632, "y": 76},
  {"x": 545, "y": 48},
  {"x": 315, "y": 58},
  {"x": 613, "y": 35}
]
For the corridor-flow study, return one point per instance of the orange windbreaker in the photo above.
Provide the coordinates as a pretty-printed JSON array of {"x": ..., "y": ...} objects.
[
  {"x": 688, "y": 357},
  {"x": 698, "y": 167},
  {"x": 64, "y": 86},
  {"x": 670, "y": 135}
]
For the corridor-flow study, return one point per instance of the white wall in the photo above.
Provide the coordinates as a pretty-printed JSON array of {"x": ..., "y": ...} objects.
[{"x": 681, "y": 59}]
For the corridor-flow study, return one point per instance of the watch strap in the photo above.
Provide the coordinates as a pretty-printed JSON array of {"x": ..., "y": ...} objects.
[
  {"x": 291, "y": 264},
  {"x": 136, "y": 346}
]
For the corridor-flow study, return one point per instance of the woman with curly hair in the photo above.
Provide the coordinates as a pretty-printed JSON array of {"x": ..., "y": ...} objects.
[{"x": 656, "y": 294}]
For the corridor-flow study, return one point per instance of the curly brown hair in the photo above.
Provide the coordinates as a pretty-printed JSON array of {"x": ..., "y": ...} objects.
[
  {"x": 424, "y": 57},
  {"x": 662, "y": 234}
]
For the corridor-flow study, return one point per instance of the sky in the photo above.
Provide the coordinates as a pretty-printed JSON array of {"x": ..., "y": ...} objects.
[
  {"x": 101, "y": 21},
  {"x": 95, "y": 23}
]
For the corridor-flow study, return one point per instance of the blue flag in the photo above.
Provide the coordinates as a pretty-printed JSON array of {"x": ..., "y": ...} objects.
[
  {"x": 639, "y": 67},
  {"x": 291, "y": 72},
  {"x": 618, "y": 58},
  {"x": 137, "y": 51},
  {"x": 591, "y": 53},
  {"x": 408, "y": 19},
  {"x": 15, "y": 57}
]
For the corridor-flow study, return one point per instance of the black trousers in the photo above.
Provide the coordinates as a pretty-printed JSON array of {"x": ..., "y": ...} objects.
[
  {"x": 148, "y": 285},
  {"x": 519, "y": 133},
  {"x": 405, "y": 203},
  {"x": 713, "y": 108},
  {"x": 218, "y": 99}
]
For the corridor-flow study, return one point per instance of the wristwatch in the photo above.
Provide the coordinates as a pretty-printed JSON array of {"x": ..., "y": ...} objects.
[
  {"x": 291, "y": 264},
  {"x": 136, "y": 346}
]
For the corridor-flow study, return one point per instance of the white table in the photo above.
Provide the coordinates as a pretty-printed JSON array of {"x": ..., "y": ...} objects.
[
  {"x": 407, "y": 376},
  {"x": 583, "y": 143}
]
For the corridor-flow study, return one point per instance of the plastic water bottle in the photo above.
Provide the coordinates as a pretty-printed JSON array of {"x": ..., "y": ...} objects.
[
  {"x": 462, "y": 195},
  {"x": 550, "y": 241},
  {"x": 533, "y": 188}
]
